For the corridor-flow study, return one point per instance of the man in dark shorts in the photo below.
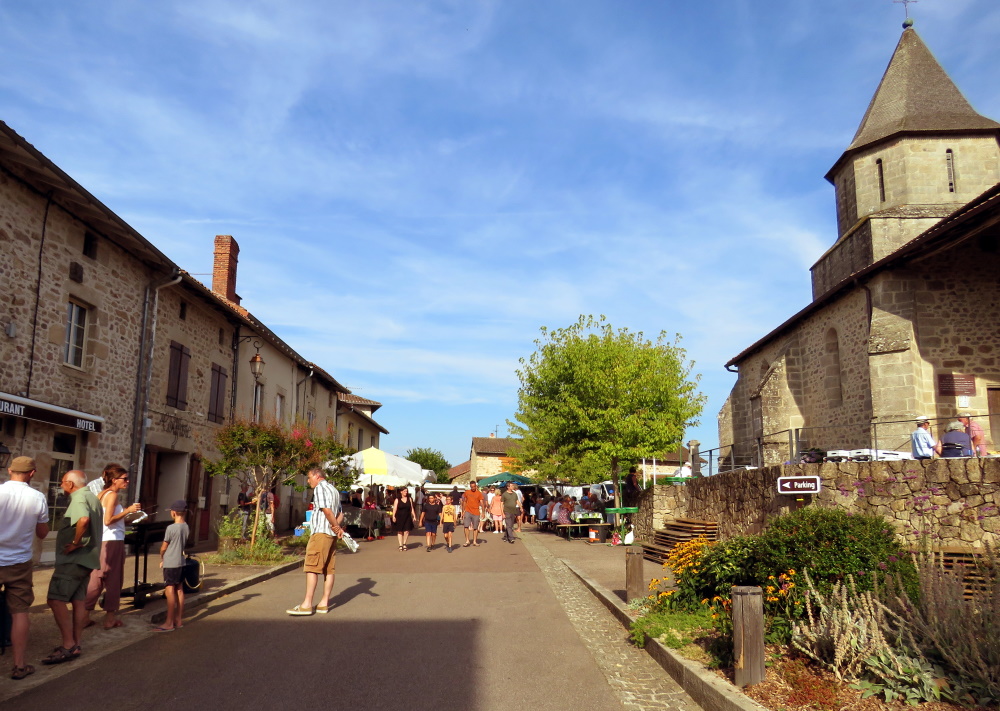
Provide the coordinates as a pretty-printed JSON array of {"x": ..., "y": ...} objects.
[{"x": 78, "y": 552}]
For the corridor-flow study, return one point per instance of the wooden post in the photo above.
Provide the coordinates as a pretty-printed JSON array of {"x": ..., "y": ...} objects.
[
  {"x": 748, "y": 634},
  {"x": 635, "y": 581}
]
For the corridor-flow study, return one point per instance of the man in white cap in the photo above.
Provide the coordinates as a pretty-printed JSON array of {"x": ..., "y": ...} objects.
[{"x": 921, "y": 441}]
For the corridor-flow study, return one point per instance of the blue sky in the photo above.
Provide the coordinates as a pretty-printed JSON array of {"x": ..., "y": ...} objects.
[{"x": 417, "y": 187}]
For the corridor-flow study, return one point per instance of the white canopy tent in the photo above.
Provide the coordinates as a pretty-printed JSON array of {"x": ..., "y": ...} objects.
[{"x": 373, "y": 466}]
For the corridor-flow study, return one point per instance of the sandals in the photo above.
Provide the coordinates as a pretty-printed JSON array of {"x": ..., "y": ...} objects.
[
  {"x": 401, "y": 548},
  {"x": 61, "y": 654},
  {"x": 18, "y": 673}
]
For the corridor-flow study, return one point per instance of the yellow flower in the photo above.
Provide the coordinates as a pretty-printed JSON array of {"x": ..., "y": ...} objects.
[
  {"x": 770, "y": 588},
  {"x": 770, "y": 577},
  {"x": 791, "y": 572},
  {"x": 772, "y": 599},
  {"x": 705, "y": 601}
]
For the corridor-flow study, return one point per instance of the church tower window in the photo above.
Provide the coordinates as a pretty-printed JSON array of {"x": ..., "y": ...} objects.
[
  {"x": 881, "y": 180},
  {"x": 949, "y": 159}
]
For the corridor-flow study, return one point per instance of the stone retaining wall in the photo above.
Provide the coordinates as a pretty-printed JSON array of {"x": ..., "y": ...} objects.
[{"x": 952, "y": 502}]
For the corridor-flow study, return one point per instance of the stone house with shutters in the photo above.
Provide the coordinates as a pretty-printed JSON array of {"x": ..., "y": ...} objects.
[
  {"x": 109, "y": 352},
  {"x": 905, "y": 302}
]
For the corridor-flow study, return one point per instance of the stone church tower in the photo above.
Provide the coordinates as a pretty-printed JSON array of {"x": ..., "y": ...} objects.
[
  {"x": 905, "y": 302},
  {"x": 920, "y": 153}
]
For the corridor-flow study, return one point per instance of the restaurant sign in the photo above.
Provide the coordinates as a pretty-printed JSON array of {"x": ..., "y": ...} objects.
[{"x": 15, "y": 406}]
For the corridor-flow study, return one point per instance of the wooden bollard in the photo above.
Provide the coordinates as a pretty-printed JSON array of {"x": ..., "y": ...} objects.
[
  {"x": 748, "y": 634},
  {"x": 635, "y": 580}
]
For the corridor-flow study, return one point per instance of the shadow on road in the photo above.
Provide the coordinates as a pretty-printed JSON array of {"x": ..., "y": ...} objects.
[
  {"x": 219, "y": 607},
  {"x": 364, "y": 586}
]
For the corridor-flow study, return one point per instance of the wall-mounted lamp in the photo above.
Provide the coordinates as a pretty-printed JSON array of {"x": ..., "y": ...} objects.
[
  {"x": 4, "y": 456},
  {"x": 257, "y": 364}
]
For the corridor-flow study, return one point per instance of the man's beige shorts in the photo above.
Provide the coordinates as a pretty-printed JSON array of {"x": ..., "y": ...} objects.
[{"x": 321, "y": 554}]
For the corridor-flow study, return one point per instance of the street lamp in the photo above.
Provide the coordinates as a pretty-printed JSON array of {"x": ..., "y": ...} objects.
[{"x": 257, "y": 365}]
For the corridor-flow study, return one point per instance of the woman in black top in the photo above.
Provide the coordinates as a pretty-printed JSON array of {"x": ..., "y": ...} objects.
[{"x": 402, "y": 517}]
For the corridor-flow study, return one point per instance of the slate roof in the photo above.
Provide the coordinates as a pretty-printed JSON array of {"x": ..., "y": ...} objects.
[
  {"x": 494, "y": 445},
  {"x": 916, "y": 95}
]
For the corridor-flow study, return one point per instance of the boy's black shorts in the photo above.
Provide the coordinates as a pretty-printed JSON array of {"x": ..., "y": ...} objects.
[{"x": 173, "y": 576}]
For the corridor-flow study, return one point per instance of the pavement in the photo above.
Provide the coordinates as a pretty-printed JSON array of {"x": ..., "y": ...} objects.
[{"x": 492, "y": 626}]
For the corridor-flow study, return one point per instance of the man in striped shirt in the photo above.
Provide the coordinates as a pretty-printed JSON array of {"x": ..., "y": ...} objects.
[{"x": 321, "y": 550}]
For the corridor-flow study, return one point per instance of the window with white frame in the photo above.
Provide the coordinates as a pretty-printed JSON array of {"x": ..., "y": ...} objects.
[
  {"x": 279, "y": 408},
  {"x": 76, "y": 334},
  {"x": 258, "y": 401}
]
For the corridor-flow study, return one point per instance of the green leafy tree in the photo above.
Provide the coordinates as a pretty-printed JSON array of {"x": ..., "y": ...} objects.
[
  {"x": 262, "y": 454},
  {"x": 430, "y": 459},
  {"x": 593, "y": 398}
]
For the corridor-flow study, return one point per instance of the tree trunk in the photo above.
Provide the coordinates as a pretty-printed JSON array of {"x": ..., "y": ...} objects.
[{"x": 256, "y": 522}]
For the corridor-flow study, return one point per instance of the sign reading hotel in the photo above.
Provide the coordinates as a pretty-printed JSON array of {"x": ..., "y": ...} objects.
[
  {"x": 51, "y": 414},
  {"x": 799, "y": 485}
]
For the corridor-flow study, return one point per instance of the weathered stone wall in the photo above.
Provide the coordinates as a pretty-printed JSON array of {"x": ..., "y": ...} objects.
[
  {"x": 485, "y": 465},
  {"x": 820, "y": 383},
  {"x": 957, "y": 307},
  {"x": 109, "y": 284},
  {"x": 951, "y": 502},
  {"x": 656, "y": 504}
]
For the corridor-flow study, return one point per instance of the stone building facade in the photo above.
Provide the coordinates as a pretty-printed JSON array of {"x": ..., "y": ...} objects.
[
  {"x": 900, "y": 325},
  {"x": 490, "y": 455},
  {"x": 109, "y": 352}
]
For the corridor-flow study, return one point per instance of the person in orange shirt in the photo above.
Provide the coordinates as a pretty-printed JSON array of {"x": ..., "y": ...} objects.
[{"x": 473, "y": 504}]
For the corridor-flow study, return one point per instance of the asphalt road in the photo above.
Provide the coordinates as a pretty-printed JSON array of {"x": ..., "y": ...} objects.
[{"x": 479, "y": 628}]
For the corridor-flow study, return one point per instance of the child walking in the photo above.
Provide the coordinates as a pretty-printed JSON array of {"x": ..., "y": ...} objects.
[
  {"x": 172, "y": 562},
  {"x": 448, "y": 514}
]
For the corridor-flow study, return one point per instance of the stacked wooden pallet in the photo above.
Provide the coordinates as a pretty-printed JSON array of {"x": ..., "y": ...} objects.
[
  {"x": 677, "y": 531},
  {"x": 973, "y": 566}
]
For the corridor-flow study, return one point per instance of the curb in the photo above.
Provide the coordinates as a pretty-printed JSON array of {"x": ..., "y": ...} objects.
[
  {"x": 199, "y": 599},
  {"x": 706, "y": 689}
]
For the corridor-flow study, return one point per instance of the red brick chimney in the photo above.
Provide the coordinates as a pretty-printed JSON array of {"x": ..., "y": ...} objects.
[{"x": 227, "y": 254}]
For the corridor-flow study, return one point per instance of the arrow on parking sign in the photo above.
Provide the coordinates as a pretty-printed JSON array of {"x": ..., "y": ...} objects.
[{"x": 798, "y": 485}]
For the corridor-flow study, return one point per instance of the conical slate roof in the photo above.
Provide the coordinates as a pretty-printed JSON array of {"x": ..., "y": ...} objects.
[{"x": 916, "y": 94}]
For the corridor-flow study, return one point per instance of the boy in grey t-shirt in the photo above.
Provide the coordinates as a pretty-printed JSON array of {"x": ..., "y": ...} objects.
[{"x": 172, "y": 562}]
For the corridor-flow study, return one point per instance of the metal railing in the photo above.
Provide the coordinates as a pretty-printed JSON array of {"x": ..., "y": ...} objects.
[{"x": 854, "y": 441}]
